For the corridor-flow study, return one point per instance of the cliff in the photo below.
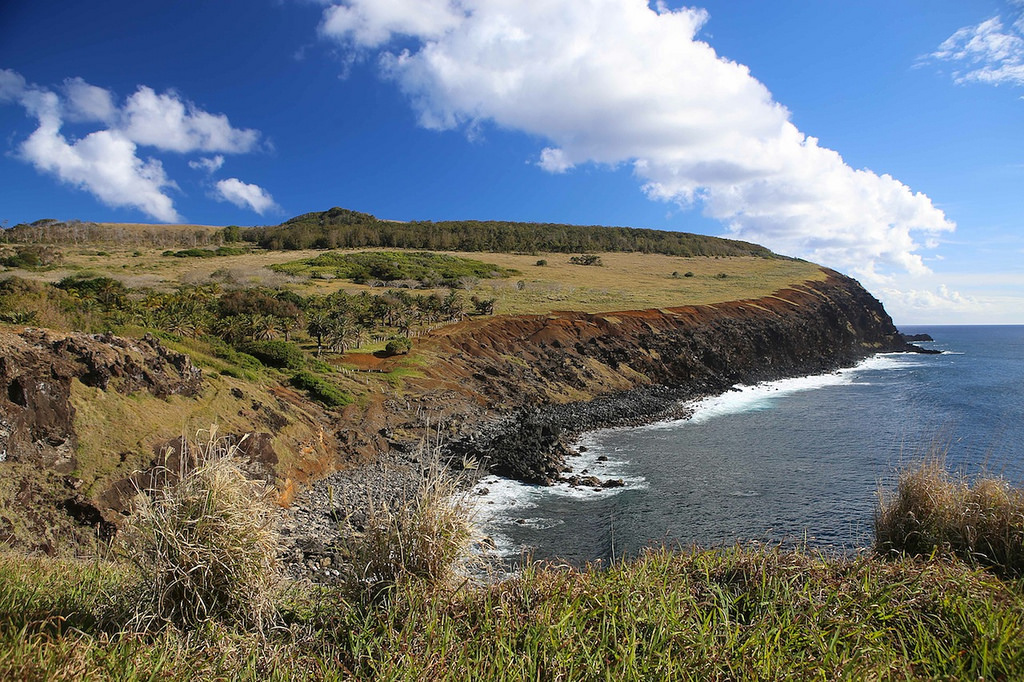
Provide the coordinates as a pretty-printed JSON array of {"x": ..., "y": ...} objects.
[
  {"x": 557, "y": 375},
  {"x": 81, "y": 413}
]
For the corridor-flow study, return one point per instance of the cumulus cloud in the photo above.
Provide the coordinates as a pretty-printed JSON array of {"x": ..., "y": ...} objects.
[
  {"x": 210, "y": 164},
  {"x": 106, "y": 162},
  {"x": 245, "y": 195},
  {"x": 370, "y": 23},
  {"x": 986, "y": 53},
  {"x": 167, "y": 122},
  {"x": 617, "y": 81}
]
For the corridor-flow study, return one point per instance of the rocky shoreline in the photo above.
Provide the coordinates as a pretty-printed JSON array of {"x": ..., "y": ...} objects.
[{"x": 530, "y": 445}]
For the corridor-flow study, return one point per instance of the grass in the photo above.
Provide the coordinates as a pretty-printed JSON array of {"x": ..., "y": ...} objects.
[
  {"x": 739, "y": 613},
  {"x": 626, "y": 281},
  {"x": 934, "y": 510},
  {"x": 420, "y": 535},
  {"x": 756, "y": 612},
  {"x": 202, "y": 536}
]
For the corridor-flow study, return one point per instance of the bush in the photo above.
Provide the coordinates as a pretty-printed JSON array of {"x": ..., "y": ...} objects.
[
  {"x": 320, "y": 390},
  {"x": 281, "y": 354},
  {"x": 542, "y": 262},
  {"x": 586, "y": 259},
  {"x": 422, "y": 535},
  {"x": 204, "y": 540},
  {"x": 934, "y": 510},
  {"x": 192, "y": 253},
  {"x": 398, "y": 346},
  {"x": 688, "y": 274}
]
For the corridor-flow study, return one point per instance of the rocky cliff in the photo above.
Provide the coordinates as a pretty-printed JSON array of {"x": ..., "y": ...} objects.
[
  {"x": 556, "y": 375},
  {"x": 506, "y": 391}
]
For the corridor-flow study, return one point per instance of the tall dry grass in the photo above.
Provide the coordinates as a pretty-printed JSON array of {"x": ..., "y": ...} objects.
[
  {"x": 934, "y": 510},
  {"x": 204, "y": 539},
  {"x": 422, "y": 535}
]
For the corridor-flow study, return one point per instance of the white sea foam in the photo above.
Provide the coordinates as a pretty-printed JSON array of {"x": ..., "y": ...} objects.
[
  {"x": 750, "y": 398},
  {"x": 502, "y": 504}
]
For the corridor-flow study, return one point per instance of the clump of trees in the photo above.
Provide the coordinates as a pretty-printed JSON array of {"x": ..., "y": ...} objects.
[
  {"x": 259, "y": 321},
  {"x": 586, "y": 259},
  {"x": 414, "y": 270}
]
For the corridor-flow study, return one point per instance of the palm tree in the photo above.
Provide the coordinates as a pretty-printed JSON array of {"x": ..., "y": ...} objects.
[{"x": 318, "y": 325}]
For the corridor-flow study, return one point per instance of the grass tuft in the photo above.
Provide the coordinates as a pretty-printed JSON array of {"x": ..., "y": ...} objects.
[
  {"x": 205, "y": 542},
  {"x": 423, "y": 535},
  {"x": 935, "y": 511}
]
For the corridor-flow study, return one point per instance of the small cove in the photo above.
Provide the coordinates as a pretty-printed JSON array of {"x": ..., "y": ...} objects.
[{"x": 793, "y": 461}]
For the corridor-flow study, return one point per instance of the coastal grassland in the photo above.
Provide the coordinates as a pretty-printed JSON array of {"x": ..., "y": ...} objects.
[
  {"x": 625, "y": 281},
  {"x": 738, "y": 613}
]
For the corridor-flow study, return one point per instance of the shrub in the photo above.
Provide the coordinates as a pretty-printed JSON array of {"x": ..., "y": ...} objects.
[
  {"x": 542, "y": 262},
  {"x": 193, "y": 253},
  {"x": 934, "y": 510},
  {"x": 424, "y": 534},
  {"x": 688, "y": 274},
  {"x": 30, "y": 257},
  {"x": 320, "y": 390},
  {"x": 204, "y": 540},
  {"x": 281, "y": 354},
  {"x": 398, "y": 346},
  {"x": 586, "y": 259}
]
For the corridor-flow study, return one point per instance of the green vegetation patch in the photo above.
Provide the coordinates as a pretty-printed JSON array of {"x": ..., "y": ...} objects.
[
  {"x": 321, "y": 390},
  {"x": 434, "y": 269},
  {"x": 281, "y": 354},
  {"x": 207, "y": 253},
  {"x": 741, "y": 614}
]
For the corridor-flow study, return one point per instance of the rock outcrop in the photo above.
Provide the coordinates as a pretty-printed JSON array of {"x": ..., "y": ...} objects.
[{"x": 42, "y": 493}]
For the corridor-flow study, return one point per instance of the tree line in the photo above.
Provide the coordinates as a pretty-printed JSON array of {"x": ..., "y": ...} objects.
[{"x": 341, "y": 228}]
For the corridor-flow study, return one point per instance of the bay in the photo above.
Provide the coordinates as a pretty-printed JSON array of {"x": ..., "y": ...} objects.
[{"x": 798, "y": 461}]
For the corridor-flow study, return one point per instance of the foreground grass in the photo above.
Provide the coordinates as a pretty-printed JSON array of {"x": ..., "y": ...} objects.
[
  {"x": 933, "y": 509},
  {"x": 741, "y": 613}
]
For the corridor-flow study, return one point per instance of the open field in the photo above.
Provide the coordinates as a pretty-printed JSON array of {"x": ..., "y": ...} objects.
[{"x": 625, "y": 281}]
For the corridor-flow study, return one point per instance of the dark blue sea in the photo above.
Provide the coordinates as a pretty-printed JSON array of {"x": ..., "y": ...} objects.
[{"x": 793, "y": 461}]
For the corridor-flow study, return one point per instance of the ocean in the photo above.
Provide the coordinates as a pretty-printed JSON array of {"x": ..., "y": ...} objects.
[{"x": 797, "y": 461}]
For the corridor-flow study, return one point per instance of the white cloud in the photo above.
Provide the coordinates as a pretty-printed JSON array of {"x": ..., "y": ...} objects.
[
  {"x": 12, "y": 85},
  {"x": 210, "y": 164},
  {"x": 106, "y": 162},
  {"x": 89, "y": 103},
  {"x": 166, "y": 122},
  {"x": 988, "y": 52},
  {"x": 615, "y": 81},
  {"x": 370, "y": 23},
  {"x": 244, "y": 195}
]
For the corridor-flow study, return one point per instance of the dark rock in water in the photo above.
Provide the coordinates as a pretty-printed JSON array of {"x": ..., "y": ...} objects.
[
  {"x": 602, "y": 458},
  {"x": 911, "y": 338},
  {"x": 911, "y": 348},
  {"x": 613, "y": 483}
]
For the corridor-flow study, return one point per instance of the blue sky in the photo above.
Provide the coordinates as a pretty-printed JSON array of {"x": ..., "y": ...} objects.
[{"x": 883, "y": 139}]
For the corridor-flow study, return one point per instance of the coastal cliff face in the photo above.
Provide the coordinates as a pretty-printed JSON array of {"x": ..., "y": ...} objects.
[
  {"x": 506, "y": 391},
  {"x": 564, "y": 373}
]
